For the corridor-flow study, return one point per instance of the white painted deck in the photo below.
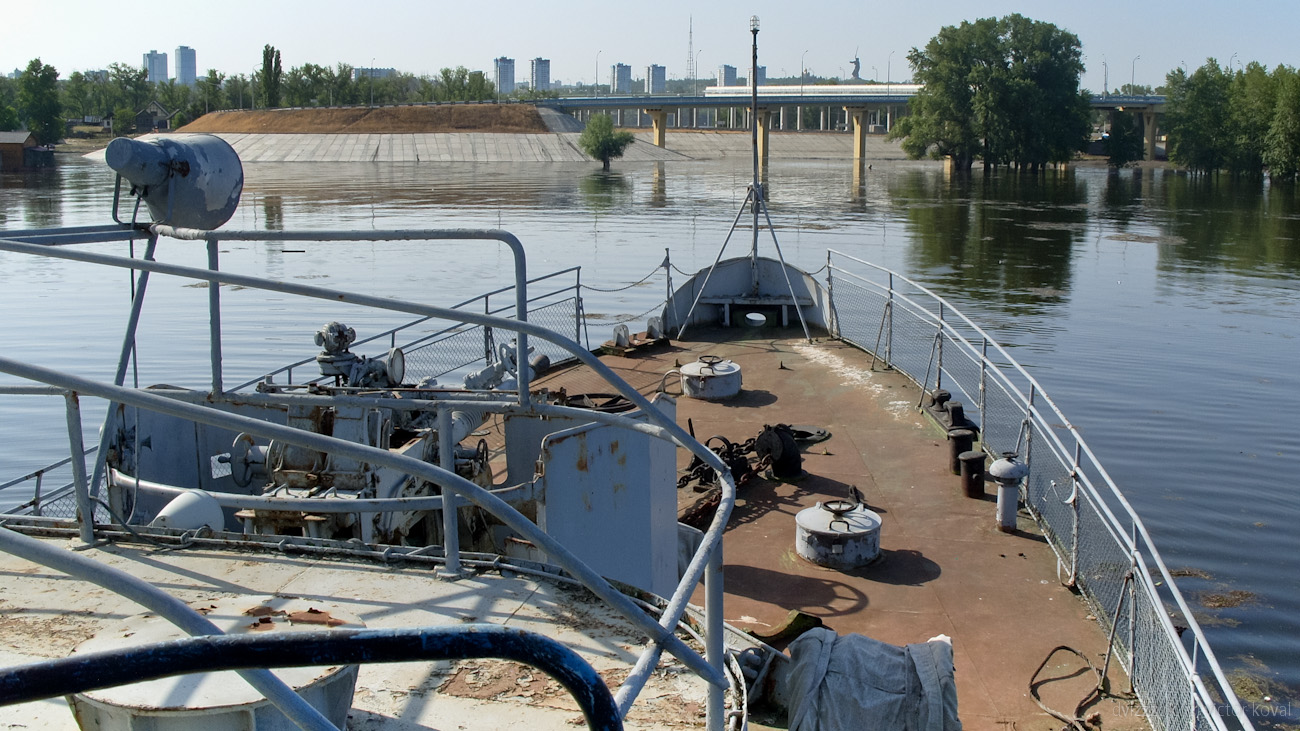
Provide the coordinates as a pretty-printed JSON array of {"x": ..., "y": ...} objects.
[{"x": 45, "y": 614}]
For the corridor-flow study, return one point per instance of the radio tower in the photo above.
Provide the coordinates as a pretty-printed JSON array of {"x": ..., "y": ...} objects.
[{"x": 690, "y": 47}]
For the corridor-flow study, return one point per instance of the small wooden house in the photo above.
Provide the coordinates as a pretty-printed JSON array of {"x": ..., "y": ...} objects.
[
  {"x": 153, "y": 117},
  {"x": 12, "y": 145}
]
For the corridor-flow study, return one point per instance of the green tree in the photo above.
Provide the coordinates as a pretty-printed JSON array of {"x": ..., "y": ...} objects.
[
  {"x": 271, "y": 77},
  {"x": 1198, "y": 117},
  {"x": 128, "y": 87},
  {"x": 462, "y": 85},
  {"x": 123, "y": 120},
  {"x": 599, "y": 140},
  {"x": 239, "y": 92},
  {"x": 38, "y": 102},
  {"x": 76, "y": 95},
  {"x": 173, "y": 96},
  {"x": 1282, "y": 142},
  {"x": 1124, "y": 144},
  {"x": 1003, "y": 90},
  {"x": 1251, "y": 105},
  {"x": 8, "y": 118},
  {"x": 8, "y": 92},
  {"x": 342, "y": 89},
  {"x": 210, "y": 93}
]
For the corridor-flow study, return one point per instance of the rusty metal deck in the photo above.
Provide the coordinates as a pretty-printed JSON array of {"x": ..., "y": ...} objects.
[{"x": 945, "y": 568}]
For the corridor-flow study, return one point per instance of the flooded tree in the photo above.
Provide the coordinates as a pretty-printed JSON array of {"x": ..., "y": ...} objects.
[
  {"x": 1003, "y": 90},
  {"x": 600, "y": 141}
]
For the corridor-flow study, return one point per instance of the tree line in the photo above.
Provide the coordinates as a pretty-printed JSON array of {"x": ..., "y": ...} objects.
[
  {"x": 1245, "y": 122},
  {"x": 41, "y": 100},
  {"x": 1005, "y": 91}
]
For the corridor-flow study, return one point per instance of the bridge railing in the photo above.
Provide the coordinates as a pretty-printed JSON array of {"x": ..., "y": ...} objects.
[{"x": 1103, "y": 548}]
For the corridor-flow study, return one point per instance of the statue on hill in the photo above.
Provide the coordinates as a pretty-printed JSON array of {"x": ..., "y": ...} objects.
[{"x": 857, "y": 67}]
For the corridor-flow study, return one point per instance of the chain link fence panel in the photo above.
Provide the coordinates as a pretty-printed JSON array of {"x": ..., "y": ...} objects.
[{"x": 1096, "y": 538}]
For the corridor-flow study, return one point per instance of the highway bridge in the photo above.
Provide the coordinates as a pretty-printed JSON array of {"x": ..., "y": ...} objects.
[{"x": 860, "y": 108}]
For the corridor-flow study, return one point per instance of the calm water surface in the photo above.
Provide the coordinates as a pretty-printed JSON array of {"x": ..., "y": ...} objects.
[{"x": 1161, "y": 313}]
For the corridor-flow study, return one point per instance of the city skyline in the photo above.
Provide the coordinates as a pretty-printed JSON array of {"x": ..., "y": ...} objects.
[{"x": 1121, "y": 42}]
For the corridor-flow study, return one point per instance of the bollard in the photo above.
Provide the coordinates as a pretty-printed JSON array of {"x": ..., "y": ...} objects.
[
  {"x": 972, "y": 473},
  {"x": 959, "y": 440},
  {"x": 1008, "y": 473},
  {"x": 956, "y": 415}
]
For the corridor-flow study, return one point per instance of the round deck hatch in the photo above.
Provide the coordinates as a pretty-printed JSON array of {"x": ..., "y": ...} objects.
[
  {"x": 219, "y": 699},
  {"x": 838, "y": 535}
]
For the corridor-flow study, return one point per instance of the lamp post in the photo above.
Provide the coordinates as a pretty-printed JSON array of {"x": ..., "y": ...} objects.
[
  {"x": 371, "y": 74},
  {"x": 1132, "y": 79},
  {"x": 875, "y": 74},
  {"x": 595, "y": 80},
  {"x": 801, "y": 71},
  {"x": 1105, "y": 78},
  {"x": 697, "y": 71},
  {"x": 887, "y": 62}
]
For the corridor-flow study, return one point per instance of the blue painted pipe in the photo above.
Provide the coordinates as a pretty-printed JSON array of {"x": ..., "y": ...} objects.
[{"x": 95, "y": 670}]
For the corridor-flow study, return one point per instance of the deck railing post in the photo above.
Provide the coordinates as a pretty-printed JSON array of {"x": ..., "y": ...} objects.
[
  {"x": 214, "y": 315},
  {"x": 889, "y": 324},
  {"x": 36, "y": 497},
  {"x": 714, "y": 652},
  {"x": 1076, "y": 496},
  {"x": 984, "y": 359},
  {"x": 450, "y": 522},
  {"x": 487, "y": 334},
  {"x": 1132, "y": 620},
  {"x": 77, "y": 449},
  {"x": 938, "y": 343},
  {"x": 139, "y": 286}
]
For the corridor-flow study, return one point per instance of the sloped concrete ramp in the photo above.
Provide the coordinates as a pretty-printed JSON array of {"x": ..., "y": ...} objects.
[{"x": 442, "y": 147}]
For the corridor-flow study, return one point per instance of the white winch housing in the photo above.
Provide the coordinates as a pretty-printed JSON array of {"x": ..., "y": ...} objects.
[{"x": 710, "y": 378}]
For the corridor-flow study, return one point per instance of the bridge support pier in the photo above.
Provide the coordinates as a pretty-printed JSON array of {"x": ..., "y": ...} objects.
[
  {"x": 764, "y": 122},
  {"x": 858, "y": 115},
  {"x": 659, "y": 125},
  {"x": 1149, "y": 134}
]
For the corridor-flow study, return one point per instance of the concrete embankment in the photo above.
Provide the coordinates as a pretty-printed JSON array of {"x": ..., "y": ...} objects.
[
  {"x": 545, "y": 147},
  {"x": 485, "y": 134}
]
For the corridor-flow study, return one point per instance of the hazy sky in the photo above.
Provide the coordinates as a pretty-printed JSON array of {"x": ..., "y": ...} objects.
[{"x": 422, "y": 37}]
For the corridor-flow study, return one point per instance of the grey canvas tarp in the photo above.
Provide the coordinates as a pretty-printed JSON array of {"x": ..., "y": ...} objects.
[{"x": 855, "y": 683}]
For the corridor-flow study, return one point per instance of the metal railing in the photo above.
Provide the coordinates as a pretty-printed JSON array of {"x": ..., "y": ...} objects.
[
  {"x": 705, "y": 564},
  {"x": 457, "y": 347},
  {"x": 1098, "y": 538}
]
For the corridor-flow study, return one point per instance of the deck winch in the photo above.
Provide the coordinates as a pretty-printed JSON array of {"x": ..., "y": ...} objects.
[{"x": 711, "y": 378}]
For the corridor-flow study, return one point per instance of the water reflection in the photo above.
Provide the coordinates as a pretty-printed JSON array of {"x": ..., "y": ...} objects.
[
  {"x": 273, "y": 210},
  {"x": 659, "y": 186},
  {"x": 1241, "y": 225},
  {"x": 1004, "y": 239},
  {"x": 35, "y": 197},
  {"x": 603, "y": 190}
]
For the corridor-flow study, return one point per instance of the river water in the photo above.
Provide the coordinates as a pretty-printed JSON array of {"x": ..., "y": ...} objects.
[{"x": 1161, "y": 313}]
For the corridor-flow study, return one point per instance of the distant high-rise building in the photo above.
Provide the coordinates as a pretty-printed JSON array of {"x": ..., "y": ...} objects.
[
  {"x": 655, "y": 81},
  {"x": 156, "y": 64},
  {"x": 540, "y": 78},
  {"x": 726, "y": 75},
  {"x": 620, "y": 79},
  {"x": 761, "y": 75},
  {"x": 505, "y": 74},
  {"x": 186, "y": 71}
]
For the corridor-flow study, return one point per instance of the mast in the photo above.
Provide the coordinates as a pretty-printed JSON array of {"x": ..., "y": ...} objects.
[{"x": 756, "y": 192}]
